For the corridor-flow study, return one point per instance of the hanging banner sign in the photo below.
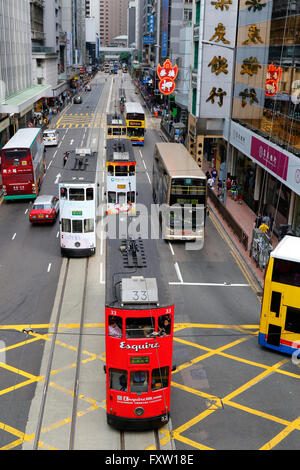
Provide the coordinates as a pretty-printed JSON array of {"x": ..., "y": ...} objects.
[
  {"x": 273, "y": 76},
  {"x": 167, "y": 75}
]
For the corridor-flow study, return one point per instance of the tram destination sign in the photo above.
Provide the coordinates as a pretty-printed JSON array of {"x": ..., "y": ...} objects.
[{"x": 139, "y": 360}]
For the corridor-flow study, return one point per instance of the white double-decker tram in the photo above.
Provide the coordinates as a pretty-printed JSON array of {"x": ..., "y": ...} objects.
[
  {"x": 78, "y": 200},
  {"x": 120, "y": 177}
]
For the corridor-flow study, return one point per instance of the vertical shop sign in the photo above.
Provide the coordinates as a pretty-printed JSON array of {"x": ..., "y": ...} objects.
[{"x": 165, "y": 29}]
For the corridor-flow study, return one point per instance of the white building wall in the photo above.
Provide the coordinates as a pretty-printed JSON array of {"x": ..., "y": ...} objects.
[{"x": 15, "y": 46}]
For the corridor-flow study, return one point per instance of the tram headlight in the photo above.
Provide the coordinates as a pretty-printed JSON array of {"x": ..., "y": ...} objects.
[
  {"x": 77, "y": 244},
  {"x": 139, "y": 411}
]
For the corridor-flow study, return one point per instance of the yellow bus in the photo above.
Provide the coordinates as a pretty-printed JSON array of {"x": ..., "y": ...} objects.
[
  {"x": 135, "y": 122},
  {"x": 179, "y": 187},
  {"x": 279, "y": 327},
  {"x": 115, "y": 126}
]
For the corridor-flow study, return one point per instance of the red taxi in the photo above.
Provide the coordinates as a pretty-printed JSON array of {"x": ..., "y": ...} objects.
[{"x": 44, "y": 210}]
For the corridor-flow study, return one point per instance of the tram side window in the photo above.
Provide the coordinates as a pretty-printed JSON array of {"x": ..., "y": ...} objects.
[
  {"x": 110, "y": 170},
  {"x": 118, "y": 379},
  {"x": 139, "y": 381},
  {"x": 115, "y": 326},
  {"x": 109, "y": 131},
  {"x": 131, "y": 170},
  {"x": 90, "y": 194},
  {"x": 76, "y": 194},
  {"x": 63, "y": 193},
  {"x": 131, "y": 197},
  {"x": 164, "y": 325},
  {"x": 139, "y": 327},
  {"x": 76, "y": 226},
  {"x": 124, "y": 131},
  {"x": 88, "y": 225},
  {"x": 160, "y": 378},
  {"x": 286, "y": 272},
  {"x": 66, "y": 225}
]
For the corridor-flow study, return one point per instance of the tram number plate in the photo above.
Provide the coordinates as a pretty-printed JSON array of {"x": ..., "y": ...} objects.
[
  {"x": 139, "y": 360},
  {"x": 76, "y": 212}
]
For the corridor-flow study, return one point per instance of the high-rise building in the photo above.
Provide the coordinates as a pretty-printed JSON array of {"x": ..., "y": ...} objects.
[
  {"x": 17, "y": 90},
  {"x": 113, "y": 20}
]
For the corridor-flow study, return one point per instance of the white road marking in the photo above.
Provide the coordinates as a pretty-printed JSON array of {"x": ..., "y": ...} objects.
[
  {"x": 209, "y": 284},
  {"x": 14, "y": 236},
  {"x": 171, "y": 248},
  {"x": 49, "y": 267},
  {"x": 178, "y": 273}
]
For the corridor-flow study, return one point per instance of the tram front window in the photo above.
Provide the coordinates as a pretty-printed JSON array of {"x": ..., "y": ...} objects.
[
  {"x": 139, "y": 381},
  {"x": 118, "y": 379},
  {"x": 139, "y": 327},
  {"x": 88, "y": 225},
  {"x": 76, "y": 226},
  {"x": 66, "y": 225}
]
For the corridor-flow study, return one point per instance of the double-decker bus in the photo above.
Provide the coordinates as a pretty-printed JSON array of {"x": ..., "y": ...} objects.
[
  {"x": 279, "y": 327},
  {"x": 135, "y": 121},
  {"x": 120, "y": 177},
  {"x": 180, "y": 187},
  {"x": 23, "y": 164},
  {"x": 77, "y": 204},
  {"x": 139, "y": 319},
  {"x": 115, "y": 126}
]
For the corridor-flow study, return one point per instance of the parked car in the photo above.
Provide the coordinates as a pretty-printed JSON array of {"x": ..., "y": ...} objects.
[
  {"x": 44, "y": 210},
  {"x": 77, "y": 99},
  {"x": 50, "y": 137}
]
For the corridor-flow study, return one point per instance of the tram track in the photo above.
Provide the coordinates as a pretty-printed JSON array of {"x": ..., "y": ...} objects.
[{"x": 62, "y": 315}]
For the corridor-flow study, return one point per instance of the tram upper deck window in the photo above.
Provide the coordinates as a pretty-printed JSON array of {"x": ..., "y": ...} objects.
[
  {"x": 139, "y": 327},
  {"x": 121, "y": 170},
  {"x": 286, "y": 272},
  {"x": 76, "y": 194},
  {"x": 118, "y": 379},
  {"x": 116, "y": 131},
  {"x": 164, "y": 325},
  {"x": 110, "y": 170},
  {"x": 63, "y": 193},
  {"x": 160, "y": 378},
  {"x": 115, "y": 326}
]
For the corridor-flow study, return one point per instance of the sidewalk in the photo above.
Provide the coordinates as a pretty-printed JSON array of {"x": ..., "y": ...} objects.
[{"x": 245, "y": 217}]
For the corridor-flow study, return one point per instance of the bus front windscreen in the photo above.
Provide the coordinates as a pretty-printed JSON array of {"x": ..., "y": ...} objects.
[{"x": 188, "y": 191}]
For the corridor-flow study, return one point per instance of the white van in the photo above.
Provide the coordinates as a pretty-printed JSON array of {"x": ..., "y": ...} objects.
[{"x": 50, "y": 137}]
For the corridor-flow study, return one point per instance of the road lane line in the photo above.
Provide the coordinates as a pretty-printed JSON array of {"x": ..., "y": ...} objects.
[
  {"x": 171, "y": 248},
  {"x": 178, "y": 273},
  {"x": 14, "y": 236},
  {"x": 49, "y": 267}
]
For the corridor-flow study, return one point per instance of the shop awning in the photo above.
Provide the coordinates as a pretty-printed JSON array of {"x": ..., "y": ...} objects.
[{"x": 20, "y": 101}]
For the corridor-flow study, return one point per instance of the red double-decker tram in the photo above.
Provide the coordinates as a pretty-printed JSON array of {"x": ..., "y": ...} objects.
[{"x": 139, "y": 317}]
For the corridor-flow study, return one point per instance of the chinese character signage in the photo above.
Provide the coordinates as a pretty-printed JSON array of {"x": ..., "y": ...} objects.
[
  {"x": 216, "y": 58},
  {"x": 167, "y": 74},
  {"x": 151, "y": 24},
  {"x": 273, "y": 76},
  {"x": 165, "y": 20}
]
